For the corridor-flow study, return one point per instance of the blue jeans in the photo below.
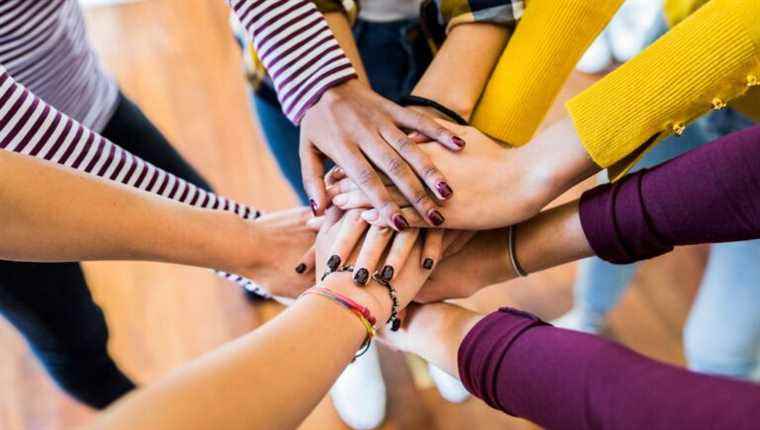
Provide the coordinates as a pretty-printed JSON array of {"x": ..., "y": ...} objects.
[
  {"x": 395, "y": 55},
  {"x": 722, "y": 334}
]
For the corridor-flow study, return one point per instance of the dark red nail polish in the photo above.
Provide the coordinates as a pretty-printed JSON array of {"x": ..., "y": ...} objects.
[
  {"x": 444, "y": 189},
  {"x": 427, "y": 263},
  {"x": 361, "y": 277},
  {"x": 313, "y": 206},
  {"x": 333, "y": 263},
  {"x": 387, "y": 273},
  {"x": 435, "y": 217},
  {"x": 400, "y": 222},
  {"x": 458, "y": 141},
  {"x": 301, "y": 268}
]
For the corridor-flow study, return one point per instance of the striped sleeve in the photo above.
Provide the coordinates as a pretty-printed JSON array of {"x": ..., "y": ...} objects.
[
  {"x": 298, "y": 49},
  {"x": 31, "y": 127}
]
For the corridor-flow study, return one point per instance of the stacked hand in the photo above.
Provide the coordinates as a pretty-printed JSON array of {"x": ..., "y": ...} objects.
[{"x": 357, "y": 128}]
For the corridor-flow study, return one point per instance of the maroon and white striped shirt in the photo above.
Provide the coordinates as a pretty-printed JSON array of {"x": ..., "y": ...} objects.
[
  {"x": 297, "y": 47},
  {"x": 44, "y": 46},
  {"x": 34, "y": 128},
  {"x": 53, "y": 92}
]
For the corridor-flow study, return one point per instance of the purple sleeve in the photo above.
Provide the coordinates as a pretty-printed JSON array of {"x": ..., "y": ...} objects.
[
  {"x": 710, "y": 194},
  {"x": 297, "y": 48},
  {"x": 562, "y": 379}
]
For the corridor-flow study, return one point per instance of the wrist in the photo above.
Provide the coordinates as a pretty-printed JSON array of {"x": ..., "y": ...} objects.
[
  {"x": 557, "y": 160},
  {"x": 373, "y": 296}
]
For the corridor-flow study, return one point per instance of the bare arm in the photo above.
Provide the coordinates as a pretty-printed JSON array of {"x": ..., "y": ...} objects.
[
  {"x": 464, "y": 64},
  {"x": 51, "y": 213},
  {"x": 275, "y": 376}
]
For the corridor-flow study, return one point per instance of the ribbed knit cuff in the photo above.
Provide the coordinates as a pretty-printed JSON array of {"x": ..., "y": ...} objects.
[
  {"x": 704, "y": 62},
  {"x": 616, "y": 224},
  {"x": 481, "y": 352},
  {"x": 549, "y": 40}
]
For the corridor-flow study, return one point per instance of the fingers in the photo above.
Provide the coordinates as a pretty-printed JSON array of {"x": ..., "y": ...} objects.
[
  {"x": 414, "y": 219},
  {"x": 334, "y": 175},
  {"x": 351, "y": 230},
  {"x": 315, "y": 223},
  {"x": 312, "y": 169},
  {"x": 372, "y": 250},
  {"x": 419, "y": 161},
  {"x": 361, "y": 172},
  {"x": 402, "y": 246},
  {"x": 403, "y": 177},
  {"x": 432, "y": 248},
  {"x": 455, "y": 242},
  {"x": 417, "y": 121},
  {"x": 308, "y": 261},
  {"x": 358, "y": 200}
]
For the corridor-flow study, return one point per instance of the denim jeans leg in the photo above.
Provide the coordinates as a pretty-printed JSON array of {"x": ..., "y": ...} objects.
[{"x": 722, "y": 334}]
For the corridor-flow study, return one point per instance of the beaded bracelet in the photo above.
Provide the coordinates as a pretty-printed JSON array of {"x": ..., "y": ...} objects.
[
  {"x": 362, "y": 312},
  {"x": 394, "y": 320}
]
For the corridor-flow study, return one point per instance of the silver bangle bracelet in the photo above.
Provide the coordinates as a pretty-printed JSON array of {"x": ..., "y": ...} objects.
[{"x": 512, "y": 255}]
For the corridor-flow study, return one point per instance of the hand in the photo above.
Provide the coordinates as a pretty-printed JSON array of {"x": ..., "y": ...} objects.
[
  {"x": 355, "y": 127},
  {"x": 497, "y": 186},
  {"x": 368, "y": 248},
  {"x": 283, "y": 255},
  {"x": 407, "y": 281},
  {"x": 483, "y": 261}
]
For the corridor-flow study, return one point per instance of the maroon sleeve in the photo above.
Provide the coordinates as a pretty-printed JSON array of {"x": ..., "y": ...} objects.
[
  {"x": 563, "y": 379},
  {"x": 710, "y": 194}
]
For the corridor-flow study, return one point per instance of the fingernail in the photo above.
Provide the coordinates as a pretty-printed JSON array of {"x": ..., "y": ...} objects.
[
  {"x": 333, "y": 263},
  {"x": 361, "y": 276},
  {"x": 340, "y": 200},
  {"x": 370, "y": 216},
  {"x": 313, "y": 206},
  {"x": 387, "y": 273},
  {"x": 427, "y": 263},
  {"x": 435, "y": 217},
  {"x": 444, "y": 189},
  {"x": 301, "y": 268},
  {"x": 458, "y": 141},
  {"x": 400, "y": 222},
  {"x": 396, "y": 325}
]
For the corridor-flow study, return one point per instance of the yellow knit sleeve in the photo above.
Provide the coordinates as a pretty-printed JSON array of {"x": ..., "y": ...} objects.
[
  {"x": 709, "y": 59},
  {"x": 547, "y": 43}
]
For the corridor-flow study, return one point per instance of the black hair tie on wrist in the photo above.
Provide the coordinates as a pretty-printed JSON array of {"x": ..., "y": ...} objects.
[{"x": 424, "y": 102}]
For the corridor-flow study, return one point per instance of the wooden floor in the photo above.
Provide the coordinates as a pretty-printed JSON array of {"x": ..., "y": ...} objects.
[{"x": 176, "y": 58}]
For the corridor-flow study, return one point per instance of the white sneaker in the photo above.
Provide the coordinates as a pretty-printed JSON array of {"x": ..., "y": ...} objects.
[
  {"x": 359, "y": 393},
  {"x": 450, "y": 387},
  {"x": 598, "y": 56},
  {"x": 636, "y": 25},
  {"x": 580, "y": 320}
]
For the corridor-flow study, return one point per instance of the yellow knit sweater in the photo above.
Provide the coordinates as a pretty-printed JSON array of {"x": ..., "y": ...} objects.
[
  {"x": 547, "y": 43},
  {"x": 704, "y": 62},
  {"x": 709, "y": 59}
]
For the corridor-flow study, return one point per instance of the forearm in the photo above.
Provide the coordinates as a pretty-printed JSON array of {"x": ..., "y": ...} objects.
[
  {"x": 54, "y": 214},
  {"x": 565, "y": 379},
  {"x": 710, "y": 194},
  {"x": 271, "y": 378},
  {"x": 435, "y": 331},
  {"x": 464, "y": 63}
]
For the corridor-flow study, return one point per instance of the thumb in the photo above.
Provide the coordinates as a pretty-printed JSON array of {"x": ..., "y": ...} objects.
[{"x": 312, "y": 171}]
